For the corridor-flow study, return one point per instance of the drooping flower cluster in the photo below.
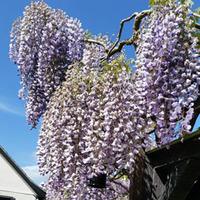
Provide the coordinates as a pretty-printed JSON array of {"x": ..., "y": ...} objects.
[
  {"x": 97, "y": 114},
  {"x": 43, "y": 43},
  {"x": 167, "y": 61},
  {"x": 94, "y": 53},
  {"x": 90, "y": 128}
]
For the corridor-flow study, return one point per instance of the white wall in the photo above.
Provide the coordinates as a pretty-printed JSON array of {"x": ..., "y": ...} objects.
[{"x": 11, "y": 183}]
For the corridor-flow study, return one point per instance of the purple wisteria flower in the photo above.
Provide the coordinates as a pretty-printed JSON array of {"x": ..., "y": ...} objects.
[
  {"x": 43, "y": 43},
  {"x": 90, "y": 128},
  {"x": 168, "y": 63}
]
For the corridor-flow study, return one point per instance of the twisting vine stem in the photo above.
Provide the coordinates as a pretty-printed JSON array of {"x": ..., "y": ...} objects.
[
  {"x": 131, "y": 41},
  {"x": 96, "y": 42},
  {"x": 118, "y": 46},
  {"x": 139, "y": 18},
  {"x": 121, "y": 29}
]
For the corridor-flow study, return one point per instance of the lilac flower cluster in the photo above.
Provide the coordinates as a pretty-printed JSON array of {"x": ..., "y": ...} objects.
[
  {"x": 167, "y": 61},
  {"x": 43, "y": 43}
]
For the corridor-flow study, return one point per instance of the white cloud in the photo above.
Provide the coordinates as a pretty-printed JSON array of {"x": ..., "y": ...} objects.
[
  {"x": 33, "y": 173},
  {"x": 9, "y": 109}
]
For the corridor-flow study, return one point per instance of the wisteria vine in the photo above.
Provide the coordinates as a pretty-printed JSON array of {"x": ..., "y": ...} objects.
[
  {"x": 43, "y": 43},
  {"x": 90, "y": 118},
  {"x": 168, "y": 61},
  {"x": 97, "y": 112}
]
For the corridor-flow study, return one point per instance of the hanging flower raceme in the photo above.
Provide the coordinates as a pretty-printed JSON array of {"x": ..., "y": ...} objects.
[
  {"x": 96, "y": 115},
  {"x": 168, "y": 64},
  {"x": 43, "y": 43},
  {"x": 90, "y": 128},
  {"x": 94, "y": 53}
]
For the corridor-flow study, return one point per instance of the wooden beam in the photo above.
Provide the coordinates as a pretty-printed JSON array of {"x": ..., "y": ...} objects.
[
  {"x": 179, "y": 150},
  {"x": 181, "y": 180},
  {"x": 167, "y": 174},
  {"x": 145, "y": 183}
]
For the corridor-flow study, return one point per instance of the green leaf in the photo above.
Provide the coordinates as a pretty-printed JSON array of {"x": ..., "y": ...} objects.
[
  {"x": 160, "y": 2},
  {"x": 88, "y": 34},
  {"x": 152, "y": 2},
  {"x": 187, "y": 2}
]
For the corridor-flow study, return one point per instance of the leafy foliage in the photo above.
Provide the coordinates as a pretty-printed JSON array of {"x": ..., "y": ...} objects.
[
  {"x": 160, "y": 2},
  {"x": 92, "y": 124},
  {"x": 167, "y": 2}
]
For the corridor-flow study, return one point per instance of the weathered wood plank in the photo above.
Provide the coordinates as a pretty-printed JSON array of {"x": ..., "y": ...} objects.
[
  {"x": 181, "y": 180},
  {"x": 178, "y": 151},
  {"x": 145, "y": 183}
]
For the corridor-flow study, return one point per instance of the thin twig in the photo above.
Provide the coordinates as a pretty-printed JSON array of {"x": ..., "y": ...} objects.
[
  {"x": 121, "y": 29},
  {"x": 96, "y": 42},
  {"x": 120, "y": 184}
]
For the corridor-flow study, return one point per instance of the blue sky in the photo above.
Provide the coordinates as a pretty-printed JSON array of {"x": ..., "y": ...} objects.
[{"x": 98, "y": 16}]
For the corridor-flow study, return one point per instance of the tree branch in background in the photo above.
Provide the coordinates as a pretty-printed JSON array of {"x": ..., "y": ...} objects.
[
  {"x": 121, "y": 29},
  {"x": 139, "y": 18},
  {"x": 96, "y": 42},
  {"x": 131, "y": 41}
]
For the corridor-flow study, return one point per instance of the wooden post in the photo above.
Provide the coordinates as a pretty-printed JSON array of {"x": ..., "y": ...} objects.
[{"x": 145, "y": 184}]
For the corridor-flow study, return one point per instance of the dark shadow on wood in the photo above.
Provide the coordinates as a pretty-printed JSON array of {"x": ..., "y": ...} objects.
[
  {"x": 145, "y": 183},
  {"x": 169, "y": 174},
  {"x": 181, "y": 179}
]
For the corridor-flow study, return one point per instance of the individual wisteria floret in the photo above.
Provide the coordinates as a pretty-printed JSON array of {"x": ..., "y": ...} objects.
[
  {"x": 90, "y": 128},
  {"x": 168, "y": 64},
  {"x": 43, "y": 43}
]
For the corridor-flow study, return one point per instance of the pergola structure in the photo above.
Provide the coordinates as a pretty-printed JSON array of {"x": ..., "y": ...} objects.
[{"x": 171, "y": 173}]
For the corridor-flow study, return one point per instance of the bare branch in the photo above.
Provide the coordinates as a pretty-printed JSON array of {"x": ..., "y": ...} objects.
[
  {"x": 197, "y": 26},
  {"x": 96, "y": 42},
  {"x": 131, "y": 41},
  {"x": 121, "y": 45},
  {"x": 120, "y": 30},
  {"x": 138, "y": 19}
]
